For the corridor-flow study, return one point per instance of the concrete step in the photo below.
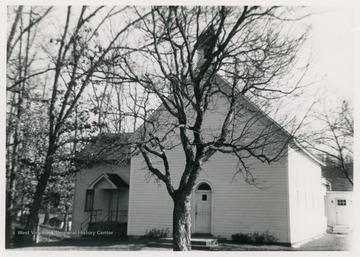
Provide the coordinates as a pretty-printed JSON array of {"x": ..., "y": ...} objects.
[
  {"x": 202, "y": 244},
  {"x": 169, "y": 245},
  {"x": 194, "y": 241},
  {"x": 340, "y": 229}
]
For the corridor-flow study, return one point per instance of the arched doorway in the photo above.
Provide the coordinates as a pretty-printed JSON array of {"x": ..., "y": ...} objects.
[{"x": 203, "y": 195}]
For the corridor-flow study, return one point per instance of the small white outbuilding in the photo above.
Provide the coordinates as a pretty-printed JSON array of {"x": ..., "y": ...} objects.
[
  {"x": 339, "y": 198},
  {"x": 339, "y": 208}
]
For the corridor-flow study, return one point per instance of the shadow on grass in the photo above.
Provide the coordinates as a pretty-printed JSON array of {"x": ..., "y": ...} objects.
[
  {"x": 328, "y": 242},
  {"x": 84, "y": 242},
  {"x": 244, "y": 247}
]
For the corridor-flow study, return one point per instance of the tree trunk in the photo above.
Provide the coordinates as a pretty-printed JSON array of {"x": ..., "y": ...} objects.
[
  {"x": 12, "y": 169},
  {"x": 32, "y": 221},
  {"x": 47, "y": 215},
  {"x": 8, "y": 229},
  {"x": 182, "y": 222},
  {"x": 10, "y": 196},
  {"x": 66, "y": 219}
]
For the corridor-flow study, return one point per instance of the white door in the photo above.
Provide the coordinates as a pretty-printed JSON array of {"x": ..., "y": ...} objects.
[
  {"x": 342, "y": 211},
  {"x": 203, "y": 212}
]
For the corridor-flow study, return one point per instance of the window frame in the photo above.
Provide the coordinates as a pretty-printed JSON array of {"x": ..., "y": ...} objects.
[
  {"x": 89, "y": 199},
  {"x": 341, "y": 202}
]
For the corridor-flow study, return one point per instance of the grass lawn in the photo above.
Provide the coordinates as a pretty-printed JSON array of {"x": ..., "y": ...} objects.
[{"x": 328, "y": 242}]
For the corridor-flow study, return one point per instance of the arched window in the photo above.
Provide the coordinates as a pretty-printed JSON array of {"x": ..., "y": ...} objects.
[{"x": 204, "y": 186}]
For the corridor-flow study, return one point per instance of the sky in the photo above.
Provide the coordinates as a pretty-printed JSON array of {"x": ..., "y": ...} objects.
[
  {"x": 335, "y": 27},
  {"x": 332, "y": 43}
]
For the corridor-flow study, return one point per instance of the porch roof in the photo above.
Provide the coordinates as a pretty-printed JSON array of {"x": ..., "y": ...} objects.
[
  {"x": 114, "y": 179},
  {"x": 117, "y": 181}
]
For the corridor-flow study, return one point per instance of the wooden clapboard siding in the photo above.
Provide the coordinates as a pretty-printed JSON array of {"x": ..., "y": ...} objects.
[
  {"x": 150, "y": 206},
  {"x": 240, "y": 207},
  {"x": 306, "y": 197},
  {"x": 237, "y": 206},
  {"x": 288, "y": 201},
  {"x": 82, "y": 181}
]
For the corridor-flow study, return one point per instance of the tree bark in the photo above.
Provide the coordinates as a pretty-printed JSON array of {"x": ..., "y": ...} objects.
[
  {"x": 66, "y": 219},
  {"x": 10, "y": 192},
  {"x": 40, "y": 189},
  {"x": 8, "y": 229},
  {"x": 182, "y": 222},
  {"x": 46, "y": 216}
]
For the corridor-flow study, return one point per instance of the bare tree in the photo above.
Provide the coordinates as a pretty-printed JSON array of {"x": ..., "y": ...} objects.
[
  {"x": 72, "y": 58},
  {"x": 334, "y": 137},
  {"x": 187, "y": 58},
  {"x": 19, "y": 59}
]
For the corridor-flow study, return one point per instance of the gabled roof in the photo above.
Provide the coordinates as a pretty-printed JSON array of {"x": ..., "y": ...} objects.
[
  {"x": 244, "y": 101},
  {"x": 106, "y": 148},
  {"x": 114, "y": 179},
  {"x": 337, "y": 178},
  {"x": 117, "y": 180},
  {"x": 253, "y": 107},
  {"x": 297, "y": 145}
]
